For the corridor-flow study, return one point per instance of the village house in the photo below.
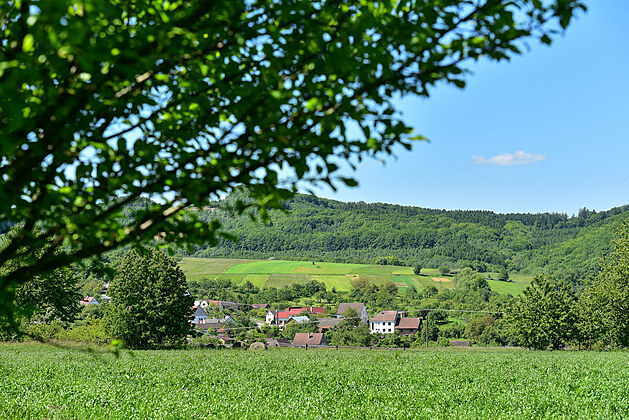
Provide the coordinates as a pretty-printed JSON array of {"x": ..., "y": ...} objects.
[
  {"x": 220, "y": 304},
  {"x": 280, "y": 318},
  {"x": 360, "y": 308},
  {"x": 309, "y": 339},
  {"x": 325, "y": 324},
  {"x": 408, "y": 326},
  {"x": 384, "y": 322},
  {"x": 271, "y": 316},
  {"x": 297, "y": 320},
  {"x": 202, "y": 323},
  {"x": 313, "y": 310},
  {"x": 224, "y": 320},
  {"x": 389, "y": 322},
  {"x": 89, "y": 301},
  {"x": 277, "y": 342},
  {"x": 103, "y": 294},
  {"x": 199, "y": 316}
]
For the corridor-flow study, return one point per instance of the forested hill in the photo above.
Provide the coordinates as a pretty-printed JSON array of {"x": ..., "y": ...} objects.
[{"x": 328, "y": 230}]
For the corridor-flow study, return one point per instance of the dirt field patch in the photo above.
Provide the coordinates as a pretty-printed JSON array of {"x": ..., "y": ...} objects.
[{"x": 443, "y": 279}]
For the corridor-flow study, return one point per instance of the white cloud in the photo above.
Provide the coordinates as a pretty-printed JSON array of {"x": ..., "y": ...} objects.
[{"x": 509, "y": 159}]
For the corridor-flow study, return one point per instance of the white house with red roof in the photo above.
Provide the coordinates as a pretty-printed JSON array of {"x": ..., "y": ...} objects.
[
  {"x": 280, "y": 318},
  {"x": 389, "y": 322},
  {"x": 384, "y": 322}
]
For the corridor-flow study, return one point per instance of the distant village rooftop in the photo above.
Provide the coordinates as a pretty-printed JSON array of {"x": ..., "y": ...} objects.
[{"x": 385, "y": 316}]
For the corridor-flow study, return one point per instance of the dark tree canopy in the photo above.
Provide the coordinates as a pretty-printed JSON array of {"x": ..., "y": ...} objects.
[
  {"x": 44, "y": 299},
  {"x": 102, "y": 102}
]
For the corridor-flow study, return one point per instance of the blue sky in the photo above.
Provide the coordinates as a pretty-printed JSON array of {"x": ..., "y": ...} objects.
[{"x": 548, "y": 131}]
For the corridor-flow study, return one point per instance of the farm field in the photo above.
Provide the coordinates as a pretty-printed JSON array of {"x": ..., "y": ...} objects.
[
  {"x": 273, "y": 273},
  {"x": 196, "y": 268},
  {"x": 46, "y": 382},
  {"x": 514, "y": 287}
]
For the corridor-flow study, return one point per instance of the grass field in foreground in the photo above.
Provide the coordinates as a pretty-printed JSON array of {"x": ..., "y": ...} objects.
[
  {"x": 273, "y": 273},
  {"x": 42, "y": 382}
]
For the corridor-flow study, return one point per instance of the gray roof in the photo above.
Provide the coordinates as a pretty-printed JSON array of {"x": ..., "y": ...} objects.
[
  {"x": 301, "y": 319},
  {"x": 271, "y": 342},
  {"x": 344, "y": 306},
  {"x": 200, "y": 312},
  {"x": 329, "y": 321}
]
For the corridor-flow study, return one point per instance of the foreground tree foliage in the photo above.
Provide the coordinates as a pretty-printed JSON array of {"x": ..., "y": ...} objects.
[
  {"x": 604, "y": 304},
  {"x": 102, "y": 102},
  {"x": 149, "y": 302},
  {"x": 47, "y": 298},
  {"x": 544, "y": 315}
]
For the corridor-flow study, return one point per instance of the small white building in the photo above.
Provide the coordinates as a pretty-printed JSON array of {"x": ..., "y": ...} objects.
[
  {"x": 384, "y": 322},
  {"x": 271, "y": 316}
]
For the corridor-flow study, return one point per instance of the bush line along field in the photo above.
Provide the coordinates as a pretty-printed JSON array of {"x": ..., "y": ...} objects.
[
  {"x": 45, "y": 382},
  {"x": 338, "y": 276}
]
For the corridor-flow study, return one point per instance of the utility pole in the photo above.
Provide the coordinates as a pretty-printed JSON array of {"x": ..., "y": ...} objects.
[{"x": 427, "y": 312}]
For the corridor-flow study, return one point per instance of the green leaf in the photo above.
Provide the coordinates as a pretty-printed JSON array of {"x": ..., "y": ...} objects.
[
  {"x": 350, "y": 182},
  {"x": 28, "y": 43}
]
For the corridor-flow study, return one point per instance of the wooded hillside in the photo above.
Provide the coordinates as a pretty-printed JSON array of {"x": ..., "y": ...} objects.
[{"x": 327, "y": 230}]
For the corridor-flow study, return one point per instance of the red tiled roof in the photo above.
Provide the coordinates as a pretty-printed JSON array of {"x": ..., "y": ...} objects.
[
  {"x": 283, "y": 315},
  {"x": 87, "y": 300},
  {"x": 385, "y": 316},
  {"x": 311, "y": 339},
  {"x": 310, "y": 310},
  {"x": 408, "y": 324}
]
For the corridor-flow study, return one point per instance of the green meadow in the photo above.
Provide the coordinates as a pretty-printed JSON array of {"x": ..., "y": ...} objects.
[
  {"x": 45, "y": 382},
  {"x": 274, "y": 273}
]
